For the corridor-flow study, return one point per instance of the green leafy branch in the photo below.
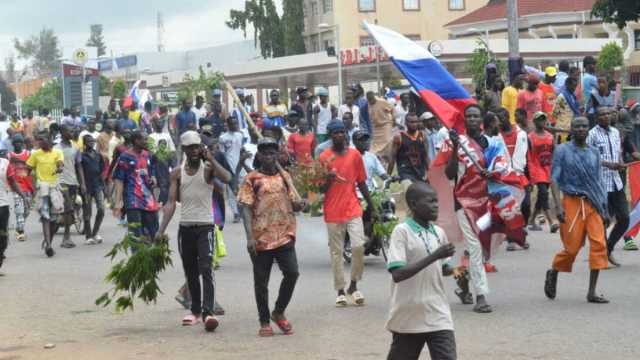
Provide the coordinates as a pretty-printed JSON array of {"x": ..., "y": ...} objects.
[{"x": 135, "y": 276}]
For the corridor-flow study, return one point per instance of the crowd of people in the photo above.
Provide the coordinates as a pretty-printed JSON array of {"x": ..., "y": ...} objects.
[{"x": 564, "y": 135}]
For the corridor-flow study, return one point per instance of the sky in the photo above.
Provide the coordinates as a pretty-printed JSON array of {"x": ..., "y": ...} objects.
[{"x": 128, "y": 25}]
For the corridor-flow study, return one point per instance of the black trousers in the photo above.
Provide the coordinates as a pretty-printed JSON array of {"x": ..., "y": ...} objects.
[
  {"x": 618, "y": 207},
  {"x": 196, "y": 245},
  {"x": 542, "y": 203},
  {"x": 525, "y": 207},
  {"x": 4, "y": 223},
  {"x": 441, "y": 344},
  {"x": 262, "y": 262}
]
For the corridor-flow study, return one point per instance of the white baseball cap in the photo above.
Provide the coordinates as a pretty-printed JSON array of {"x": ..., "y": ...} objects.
[{"x": 190, "y": 137}]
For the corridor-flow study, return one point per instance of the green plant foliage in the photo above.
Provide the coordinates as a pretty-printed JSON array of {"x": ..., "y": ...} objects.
[
  {"x": 381, "y": 228},
  {"x": 611, "y": 56},
  {"x": 119, "y": 89},
  {"x": 477, "y": 62},
  {"x": 135, "y": 276},
  {"x": 205, "y": 82},
  {"x": 619, "y": 12},
  {"x": 49, "y": 96},
  {"x": 105, "y": 85}
]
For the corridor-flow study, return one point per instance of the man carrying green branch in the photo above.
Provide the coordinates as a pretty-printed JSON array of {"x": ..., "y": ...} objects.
[{"x": 192, "y": 184}]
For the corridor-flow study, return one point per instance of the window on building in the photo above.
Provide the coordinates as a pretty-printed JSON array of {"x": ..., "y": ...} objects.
[
  {"x": 410, "y": 5},
  {"x": 456, "y": 4},
  {"x": 327, "y": 6},
  {"x": 636, "y": 36},
  {"x": 314, "y": 8},
  {"x": 367, "y": 41},
  {"x": 366, "y": 5}
]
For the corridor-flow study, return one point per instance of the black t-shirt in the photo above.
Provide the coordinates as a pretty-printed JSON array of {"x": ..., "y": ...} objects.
[{"x": 92, "y": 166}]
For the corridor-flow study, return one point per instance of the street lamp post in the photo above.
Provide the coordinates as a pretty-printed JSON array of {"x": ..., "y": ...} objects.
[{"x": 336, "y": 34}]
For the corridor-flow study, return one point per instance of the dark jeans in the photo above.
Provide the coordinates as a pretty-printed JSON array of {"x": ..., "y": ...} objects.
[
  {"x": 163, "y": 175},
  {"x": 525, "y": 207},
  {"x": 441, "y": 344},
  {"x": 142, "y": 223},
  {"x": 196, "y": 245},
  {"x": 542, "y": 203},
  {"x": 98, "y": 198},
  {"x": 4, "y": 222},
  {"x": 618, "y": 207},
  {"x": 262, "y": 262}
]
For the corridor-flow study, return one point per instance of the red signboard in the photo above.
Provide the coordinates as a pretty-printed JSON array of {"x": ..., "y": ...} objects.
[
  {"x": 75, "y": 70},
  {"x": 364, "y": 55}
]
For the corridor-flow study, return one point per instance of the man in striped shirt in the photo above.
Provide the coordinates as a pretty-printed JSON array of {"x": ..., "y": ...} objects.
[{"x": 606, "y": 139}]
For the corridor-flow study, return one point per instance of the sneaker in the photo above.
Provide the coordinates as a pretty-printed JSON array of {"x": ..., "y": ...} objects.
[
  {"x": 511, "y": 247},
  {"x": 49, "y": 252},
  {"x": 122, "y": 222},
  {"x": 218, "y": 309},
  {"x": 90, "y": 241},
  {"x": 67, "y": 244},
  {"x": 98, "y": 239},
  {"x": 20, "y": 236},
  {"x": 630, "y": 245},
  {"x": 210, "y": 323},
  {"x": 613, "y": 261}
]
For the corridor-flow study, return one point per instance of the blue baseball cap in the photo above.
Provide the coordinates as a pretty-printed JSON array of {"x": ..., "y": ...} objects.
[
  {"x": 335, "y": 125},
  {"x": 217, "y": 92}
]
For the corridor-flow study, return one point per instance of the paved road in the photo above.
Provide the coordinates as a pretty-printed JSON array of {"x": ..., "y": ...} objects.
[{"x": 51, "y": 301}]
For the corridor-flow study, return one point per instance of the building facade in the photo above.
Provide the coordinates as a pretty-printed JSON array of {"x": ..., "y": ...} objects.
[{"x": 417, "y": 19}]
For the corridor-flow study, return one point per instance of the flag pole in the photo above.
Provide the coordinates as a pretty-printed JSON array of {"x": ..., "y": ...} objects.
[{"x": 254, "y": 128}]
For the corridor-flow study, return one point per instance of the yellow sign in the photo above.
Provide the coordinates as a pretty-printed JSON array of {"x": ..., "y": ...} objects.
[{"x": 80, "y": 56}]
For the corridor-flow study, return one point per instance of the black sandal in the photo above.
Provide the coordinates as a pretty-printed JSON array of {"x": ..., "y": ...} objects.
[
  {"x": 595, "y": 299},
  {"x": 550, "y": 284},
  {"x": 483, "y": 309},
  {"x": 466, "y": 298}
]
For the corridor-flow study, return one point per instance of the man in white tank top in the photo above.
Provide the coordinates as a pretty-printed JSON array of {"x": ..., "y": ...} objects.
[{"x": 196, "y": 232}]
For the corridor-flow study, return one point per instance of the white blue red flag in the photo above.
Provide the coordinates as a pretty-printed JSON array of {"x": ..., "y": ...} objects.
[
  {"x": 134, "y": 95},
  {"x": 436, "y": 86}
]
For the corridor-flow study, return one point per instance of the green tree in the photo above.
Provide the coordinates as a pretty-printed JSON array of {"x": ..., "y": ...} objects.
[
  {"x": 203, "y": 83},
  {"x": 293, "y": 27},
  {"x": 619, "y": 12},
  {"x": 8, "y": 97},
  {"x": 49, "y": 96},
  {"x": 478, "y": 61},
  {"x": 267, "y": 26},
  {"x": 118, "y": 89},
  {"x": 611, "y": 57},
  {"x": 105, "y": 86},
  {"x": 96, "y": 39},
  {"x": 42, "y": 50}
]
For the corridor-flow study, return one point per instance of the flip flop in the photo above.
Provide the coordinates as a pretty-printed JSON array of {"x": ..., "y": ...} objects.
[
  {"x": 265, "y": 331},
  {"x": 284, "y": 325},
  {"x": 465, "y": 298},
  {"x": 595, "y": 299},
  {"x": 550, "y": 284}
]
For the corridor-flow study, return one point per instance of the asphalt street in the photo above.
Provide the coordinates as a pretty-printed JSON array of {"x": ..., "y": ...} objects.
[{"x": 51, "y": 301}]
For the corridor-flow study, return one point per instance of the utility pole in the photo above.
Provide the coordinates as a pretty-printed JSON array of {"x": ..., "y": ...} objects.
[{"x": 515, "y": 61}]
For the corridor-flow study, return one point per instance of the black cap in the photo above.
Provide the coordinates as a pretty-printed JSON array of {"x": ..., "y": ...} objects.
[{"x": 267, "y": 142}]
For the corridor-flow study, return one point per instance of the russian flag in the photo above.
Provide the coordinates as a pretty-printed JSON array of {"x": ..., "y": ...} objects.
[
  {"x": 436, "y": 86},
  {"x": 133, "y": 95}
]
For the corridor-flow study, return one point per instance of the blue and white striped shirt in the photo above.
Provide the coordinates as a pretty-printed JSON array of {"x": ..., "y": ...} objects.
[{"x": 609, "y": 145}]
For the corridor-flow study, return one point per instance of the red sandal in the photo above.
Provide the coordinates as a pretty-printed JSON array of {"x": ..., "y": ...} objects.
[
  {"x": 284, "y": 325},
  {"x": 265, "y": 331}
]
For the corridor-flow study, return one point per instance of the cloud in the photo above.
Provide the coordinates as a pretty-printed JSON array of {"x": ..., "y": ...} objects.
[{"x": 128, "y": 26}]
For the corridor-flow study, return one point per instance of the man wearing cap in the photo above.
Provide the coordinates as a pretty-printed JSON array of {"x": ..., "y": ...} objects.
[
  {"x": 323, "y": 113},
  {"x": 275, "y": 111},
  {"x": 431, "y": 133},
  {"x": 291, "y": 125},
  {"x": 192, "y": 183},
  {"x": 531, "y": 98},
  {"x": 342, "y": 210},
  {"x": 548, "y": 91},
  {"x": 268, "y": 205}
]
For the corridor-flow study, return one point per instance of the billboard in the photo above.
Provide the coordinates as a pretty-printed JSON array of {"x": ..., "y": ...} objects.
[{"x": 73, "y": 87}]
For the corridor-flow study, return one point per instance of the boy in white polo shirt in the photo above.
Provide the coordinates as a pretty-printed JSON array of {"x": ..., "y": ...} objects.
[{"x": 419, "y": 311}]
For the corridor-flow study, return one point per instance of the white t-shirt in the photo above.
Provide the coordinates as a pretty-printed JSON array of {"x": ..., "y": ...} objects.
[
  {"x": 200, "y": 113},
  {"x": 355, "y": 110},
  {"x": 400, "y": 114},
  {"x": 324, "y": 118},
  {"x": 163, "y": 136},
  {"x": 4, "y": 185},
  {"x": 231, "y": 144},
  {"x": 4, "y": 125},
  {"x": 418, "y": 304},
  {"x": 373, "y": 167}
]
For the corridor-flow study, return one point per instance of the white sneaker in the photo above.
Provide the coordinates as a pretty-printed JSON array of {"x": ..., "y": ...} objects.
[
  {"x": 98, "y": 239},
  {"x": 90, "y": 242}
]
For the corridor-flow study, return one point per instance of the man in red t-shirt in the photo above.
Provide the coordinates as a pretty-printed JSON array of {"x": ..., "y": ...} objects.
[
  {"x": 20, "y": 172},
  {"x": 539, "y": 160},
  {"x": 549, "y": 92},
  {"x": 531, "y": 98},
  {"x": 342, "y": 210},
  {"x": 302, "y": 143}
]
